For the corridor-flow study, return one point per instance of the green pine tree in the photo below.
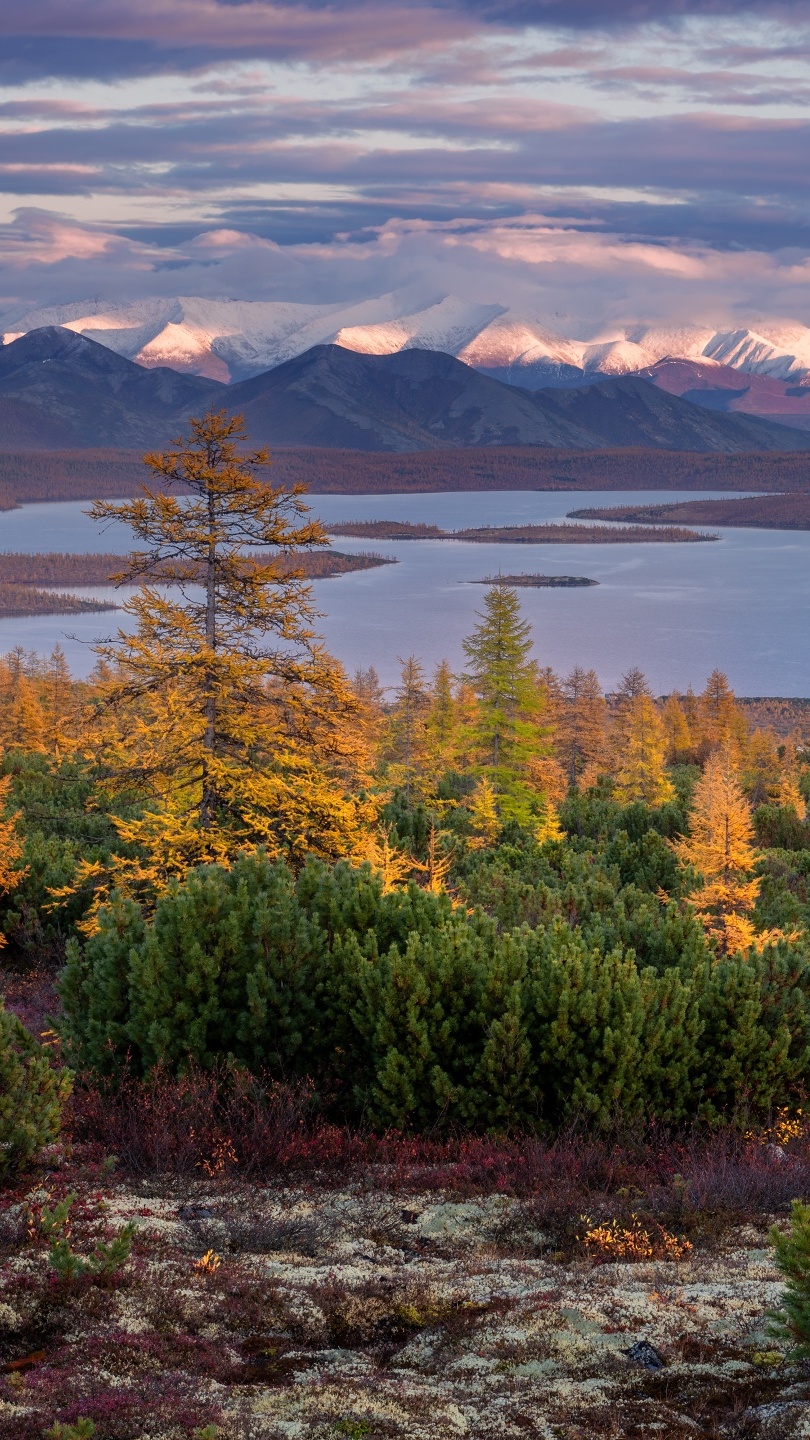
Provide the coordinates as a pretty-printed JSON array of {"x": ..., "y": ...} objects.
[{"x": 508, "y": 732}]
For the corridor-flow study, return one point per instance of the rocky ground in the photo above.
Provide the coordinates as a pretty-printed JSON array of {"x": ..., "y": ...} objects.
[{"x": 272, "y": 1312}]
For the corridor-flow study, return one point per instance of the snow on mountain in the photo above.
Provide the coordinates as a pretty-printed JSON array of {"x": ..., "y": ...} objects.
[
  {"x": 752, "y": 352},
  {"x": 233, "y": 339},
  {"x": 616, "y": 357},
  {"x": 449, "y": 325},
  {"x": 513, "y": 339}
]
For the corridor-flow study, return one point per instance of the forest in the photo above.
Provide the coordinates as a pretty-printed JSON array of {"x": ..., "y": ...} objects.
[
  {"x": 490, "y": 941},
  {"x": 27, "y": 476}
]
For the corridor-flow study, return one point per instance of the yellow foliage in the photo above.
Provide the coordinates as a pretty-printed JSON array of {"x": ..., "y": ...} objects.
[
  {"x": 612, "y": 1241},
  {"x": 11, "y": 872},
  {"x": 720, "y": 848},
  {"x": 641, "y": 744},
  {"x": 484, "y": 814},
  {"x": 222, "y": 707},
  {"x": 393, "y": 865}
]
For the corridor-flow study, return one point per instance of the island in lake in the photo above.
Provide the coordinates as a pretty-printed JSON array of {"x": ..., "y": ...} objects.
[
  {"x": 22, "y": 577},
  {"x": 790, "y": 511},
  {"x": 554, "y": 534},
  {"x": 536, "y": 582}
]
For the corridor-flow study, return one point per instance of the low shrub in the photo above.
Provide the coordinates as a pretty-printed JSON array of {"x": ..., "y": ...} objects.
[
  {"x": 32, "y": 1094},
  {"x": 407, "y": 1012}
]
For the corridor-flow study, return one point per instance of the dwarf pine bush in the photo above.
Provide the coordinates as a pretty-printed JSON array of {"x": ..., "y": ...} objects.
[
  {"x": 408, "y": 1012},
  {"x": 32, "y": 1094}
]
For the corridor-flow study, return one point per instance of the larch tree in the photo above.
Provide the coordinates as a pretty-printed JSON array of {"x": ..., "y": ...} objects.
[
  {"x": 581, "y": 727},
  {"x": 408, "y": 728},
  {"x": 721, "y": 722},
  {"x": 680, "y": 741},
  {"x": 222, "y": 705},
  {"x": 508, "y": 734},
  {"x": 641, "y": 755},
  {"x": 442, "y": 722},
  {"x": 720, "y": 849},
  {"x": 11, "y": 871}
]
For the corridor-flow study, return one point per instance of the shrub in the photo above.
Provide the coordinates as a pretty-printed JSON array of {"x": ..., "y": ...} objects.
[
  {"x": 405, "y": 1011},
  {"x": 32, "y": 1094},
  {"x": 792, "y": 1320}
]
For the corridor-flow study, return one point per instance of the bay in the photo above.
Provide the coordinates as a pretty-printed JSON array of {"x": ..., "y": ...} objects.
[{"x": 675, "y": 610}]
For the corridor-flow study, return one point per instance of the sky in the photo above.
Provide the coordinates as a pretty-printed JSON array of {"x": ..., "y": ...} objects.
[{"x": 586, "y": 161}]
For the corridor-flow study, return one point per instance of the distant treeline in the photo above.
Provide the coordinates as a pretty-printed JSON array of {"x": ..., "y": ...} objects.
[
  {"x": 516, "y": 534},
  {"x": 21, "y": 570},
  {"x": 16, "y": 600},
  {"x": 87, "y": 474},
  {"x": 763, "y": 512}
]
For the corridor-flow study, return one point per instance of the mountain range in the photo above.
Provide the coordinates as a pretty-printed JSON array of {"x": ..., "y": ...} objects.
[
  {"x": 233, "y": 340},
  {"x": 60, "y": 389}
]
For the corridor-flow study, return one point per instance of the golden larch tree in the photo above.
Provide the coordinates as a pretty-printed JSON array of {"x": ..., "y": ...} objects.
[
  {"x": 221, "y": 704},
  {"x": 640, "y": 748},
  {"x": 581, "y": 739},
  {"x": 720, "y": 849},
  {"x": 11, "y": 872}
]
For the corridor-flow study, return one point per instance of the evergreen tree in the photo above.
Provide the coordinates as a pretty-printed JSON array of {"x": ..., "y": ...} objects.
[
  {"x": 222, "y": 705},
  {"x": 32, "y": 1094},
  {"x": 720, "y": 849},
  {"x": 508, "y": 732}
]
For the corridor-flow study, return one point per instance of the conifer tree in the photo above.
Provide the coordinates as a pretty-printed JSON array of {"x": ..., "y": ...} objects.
[
  {"x": 441, "y": 724},
  {"x": 720, "y": 849},
  {"x": 11, "y": 872},
  {"x": 678, "y": 731},
  {"x": 508, "y": 733},
  {"x": 641, "y": 773},
  {"x": 59, "y": 704},
  {"x": 721, "y": 722},
  {"x": 408, "y": 728},
  {"x": 581, "y": 728},
  {"x": 222, "y": 705}
]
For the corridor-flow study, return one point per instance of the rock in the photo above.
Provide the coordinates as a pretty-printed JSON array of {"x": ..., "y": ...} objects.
[{"x": 646, "y": 1355}]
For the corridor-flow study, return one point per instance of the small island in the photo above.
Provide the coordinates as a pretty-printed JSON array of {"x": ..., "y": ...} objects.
[
  {"x": 23, "y": 577},
  {"x": 536, "y": 582},
  {"x": 553, "y": 534}
]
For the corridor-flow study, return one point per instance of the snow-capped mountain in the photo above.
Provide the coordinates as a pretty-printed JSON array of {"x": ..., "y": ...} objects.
[{"x": 231, "y": 340}]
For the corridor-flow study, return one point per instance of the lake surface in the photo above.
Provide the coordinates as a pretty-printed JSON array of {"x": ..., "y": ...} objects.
[{"x": 741, "y": 604}]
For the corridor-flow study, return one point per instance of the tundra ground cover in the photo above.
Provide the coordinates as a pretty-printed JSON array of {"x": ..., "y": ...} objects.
[{"x": 405, "y": 1294}]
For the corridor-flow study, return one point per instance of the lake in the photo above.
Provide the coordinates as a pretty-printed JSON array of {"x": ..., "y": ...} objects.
[{"x": 675, "y": 610}]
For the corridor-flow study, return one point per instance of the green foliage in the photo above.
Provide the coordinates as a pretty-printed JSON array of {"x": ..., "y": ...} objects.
[
  {"x": 104, "y": 1262},
  {"x": 576, "y": 994},
  {"x": 51, "y": 1221},
  {"x": 66, "y": 818},
  {"x": 81, "y": 1429},
  {"x": 791, "y": 1321},
  {"x": 32, "y": 1094}
]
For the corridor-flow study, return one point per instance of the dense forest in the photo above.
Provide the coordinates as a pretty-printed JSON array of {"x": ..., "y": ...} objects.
[{"x": 27, "y": 476}]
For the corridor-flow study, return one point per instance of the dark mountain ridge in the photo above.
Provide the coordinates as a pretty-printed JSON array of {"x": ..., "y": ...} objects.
[{"x": 61, "y": 390}]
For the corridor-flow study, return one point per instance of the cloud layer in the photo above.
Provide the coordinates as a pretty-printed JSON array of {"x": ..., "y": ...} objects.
[{"x": 262, "y": 149}]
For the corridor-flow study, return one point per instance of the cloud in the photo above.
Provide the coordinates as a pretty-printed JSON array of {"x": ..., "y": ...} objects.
[{"x": 581, "y": 281}]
